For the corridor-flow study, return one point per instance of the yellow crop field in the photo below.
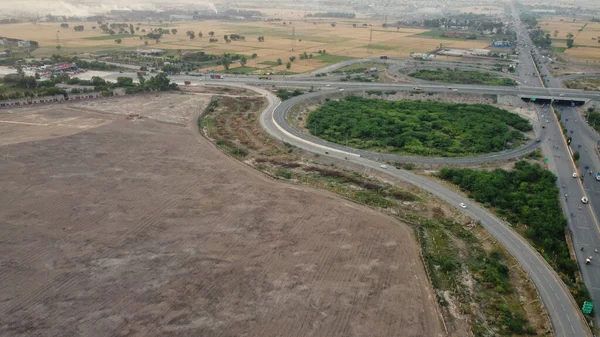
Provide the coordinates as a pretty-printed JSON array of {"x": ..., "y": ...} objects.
[
  {"x": 584, "y": 53},
  {"x": 563, "y": 25},
  {"x": 344, "y": 40},
  {"x": 587, "y": 36}
]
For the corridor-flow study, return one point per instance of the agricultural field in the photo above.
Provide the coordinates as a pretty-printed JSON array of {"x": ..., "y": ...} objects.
[
  {"x": 143, "y": 227},
  {"x": 341, "y": 42},
  {"x": 586, "y": 35}
]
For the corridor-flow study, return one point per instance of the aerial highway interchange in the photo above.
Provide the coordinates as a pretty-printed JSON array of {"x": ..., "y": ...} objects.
[{"x": 582, "y": 218}]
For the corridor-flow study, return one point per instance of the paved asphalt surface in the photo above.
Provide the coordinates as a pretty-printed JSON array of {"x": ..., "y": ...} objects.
[
  {"x": 526, "y": 91},
  {"x": 561, "y": 307},
  {"x": 582, "y": 218}
]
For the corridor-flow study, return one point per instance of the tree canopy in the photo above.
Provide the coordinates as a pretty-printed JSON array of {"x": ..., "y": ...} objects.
[
  {"x": 461, "y": 76},
  {"x": 526, "y": 195},
  {"x": 418, "y": 127}
]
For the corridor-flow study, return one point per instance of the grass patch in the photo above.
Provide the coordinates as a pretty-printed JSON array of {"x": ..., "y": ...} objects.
[
  {"x": 241, "y": 70},
  {"x": 437, "y": 34},
  {"x": 360, "y": 67},
  {"x": 332, "y": 58},
  {"x": 284, "y": 173},
  {"x": 418, "y": 127},
  {"x": 270, "y": 63},
  {"x": 461, "y": 77},
  {"x": 110, "y": 37},
  {"x": 559, "y": 49},
  {"x": 323, "y": 39},
  {"x": 381, "y": 47}
]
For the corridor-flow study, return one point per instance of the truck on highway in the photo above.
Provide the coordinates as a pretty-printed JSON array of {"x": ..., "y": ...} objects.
[
  {"x": 216, "y": 76},
  {"x": 264, "y": 77},
  {"x": 140, "y": 72},
  {"x": 383, "y": 57}
]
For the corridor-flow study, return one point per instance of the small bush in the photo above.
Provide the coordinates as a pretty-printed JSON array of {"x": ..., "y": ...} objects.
[{"x": 283, "y": 174}]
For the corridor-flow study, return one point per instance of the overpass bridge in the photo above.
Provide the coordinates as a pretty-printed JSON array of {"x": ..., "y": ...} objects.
[{"x": 560, "y": 100}]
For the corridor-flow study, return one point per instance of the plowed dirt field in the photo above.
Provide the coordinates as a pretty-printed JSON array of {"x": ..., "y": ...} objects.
[{"x": 115, "y": 227}]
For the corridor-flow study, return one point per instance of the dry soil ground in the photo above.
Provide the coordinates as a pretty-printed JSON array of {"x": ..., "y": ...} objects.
[{"x": 142, "y": 228}]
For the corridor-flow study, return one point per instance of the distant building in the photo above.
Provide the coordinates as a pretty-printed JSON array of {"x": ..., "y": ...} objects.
[
  {"x": 502, "y": 44},
  {"x": 422, "y": 56},
  {"x": 63, "y": 67},
  {"x": 24, "y": 44},
  {"x": 150, "y": 51},
  {"x": 178, "y": 17},
  {"x": 464, "y": 52},
  {"x": 480, "y": 52}
]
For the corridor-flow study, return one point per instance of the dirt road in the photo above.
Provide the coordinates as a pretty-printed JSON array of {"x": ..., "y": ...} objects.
[{"x": 138, "y": 228}]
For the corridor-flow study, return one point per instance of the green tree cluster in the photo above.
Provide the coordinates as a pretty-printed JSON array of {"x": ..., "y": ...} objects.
[
  {"x": 285, "y": 94},
  {"x": 418, "y": 127},
  {"x": 461, "y": 76},
  {"x": 527, "y": 196}
]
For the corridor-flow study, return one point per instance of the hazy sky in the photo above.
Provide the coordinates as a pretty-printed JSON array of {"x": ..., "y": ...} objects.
[{"x": 88, "y": 7}]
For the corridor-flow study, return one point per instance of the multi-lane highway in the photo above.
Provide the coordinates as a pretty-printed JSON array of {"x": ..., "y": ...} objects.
[
  {"x": 582, "y": 218},
  {"x": 566, "y": 319}
]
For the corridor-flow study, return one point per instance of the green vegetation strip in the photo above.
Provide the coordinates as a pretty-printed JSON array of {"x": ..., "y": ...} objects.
[
  {"x": 332, "y": 58},
  {"x": 109, "y": 37},
  {"x": 418, "y": 127},
  {"x": 528, "y": 198},
  {"x": 461, "y": 76},
  {"x": 448, "y": 263}
]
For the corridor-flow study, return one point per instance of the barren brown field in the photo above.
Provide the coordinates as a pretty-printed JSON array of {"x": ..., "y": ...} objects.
[{"x": 143, "y": 228}]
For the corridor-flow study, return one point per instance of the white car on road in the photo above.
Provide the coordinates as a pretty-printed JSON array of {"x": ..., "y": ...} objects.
[
  {"x": 574, "y": 174},
  {"x": 584, "y": 200},
  {"x": 383, "y": 167},
  {"x": 462, "y": 205}
]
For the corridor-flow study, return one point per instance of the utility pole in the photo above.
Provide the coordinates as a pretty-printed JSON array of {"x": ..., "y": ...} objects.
[
  {"x": 370, "y": 40},
  {"x": 57, "y": 42},
  {"x": 293, "y": 37}
]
